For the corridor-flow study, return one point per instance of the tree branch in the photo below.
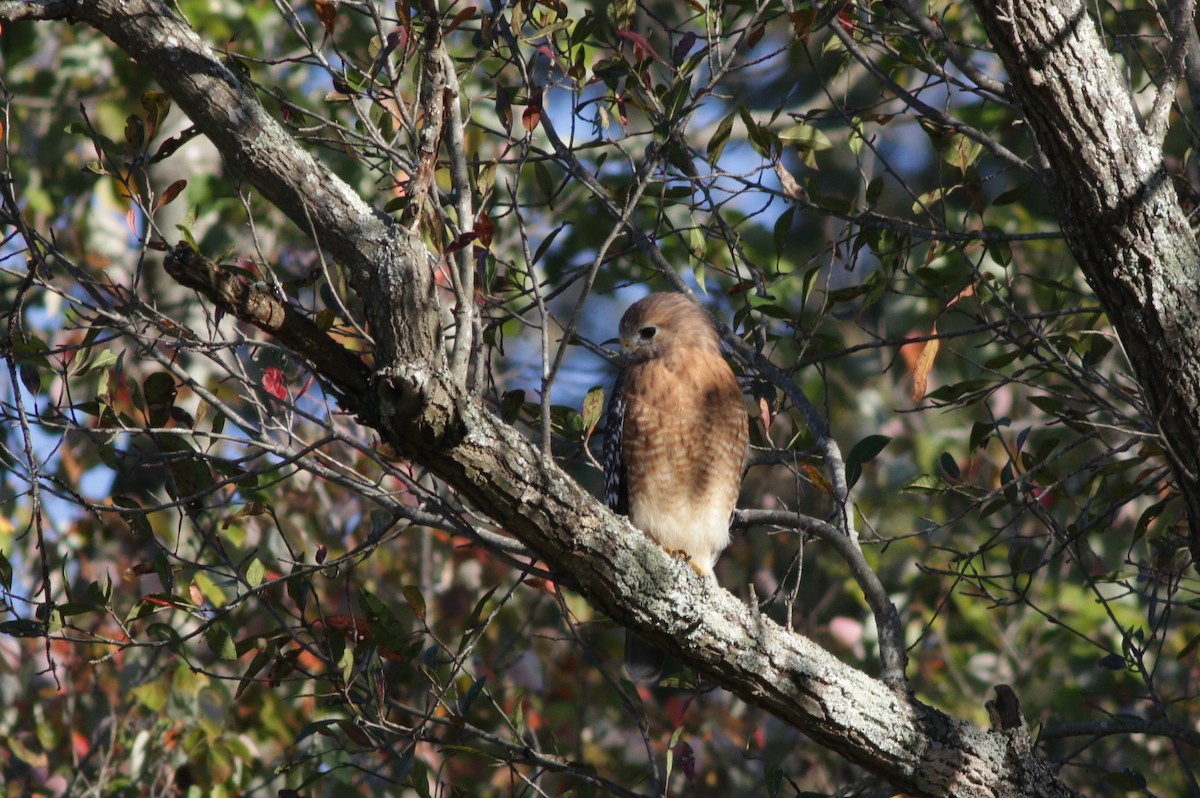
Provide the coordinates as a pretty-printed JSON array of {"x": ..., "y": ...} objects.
[
  {"x": 1183, "y": 31},
  {"x": 257, "y": 304},
  {"x": 887, "y": 619},
  {"x": 17, "y": 10}
]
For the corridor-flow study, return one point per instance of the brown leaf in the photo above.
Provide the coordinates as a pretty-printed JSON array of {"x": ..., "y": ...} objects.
[
  {"x": 924, "y": 365},
  {"x": 791, "y": 189},
  {"x": 354, "y": 629},
  {"x": 963, "y": 294},
  {"x": 485, "y": 229},
  {"x": 169, "y": 193},
  {"x": 641, "y": 47},
  {"x": 764, "y": 414},
  {"x": 817, "y": 478},
  {"x": 470, "y": 12},
  {"x": 327, "y": 13}
]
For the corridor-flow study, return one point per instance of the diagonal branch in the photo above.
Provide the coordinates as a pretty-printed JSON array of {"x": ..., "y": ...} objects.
[{"x": 256, "y": 304}]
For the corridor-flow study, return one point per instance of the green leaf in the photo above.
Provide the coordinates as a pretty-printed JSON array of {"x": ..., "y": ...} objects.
[
  {"x": 297, "y": 588},
  {"x": 162, "y": 631},
  {"x": 720, "y": 137},
  {"x": 412, "y": 594},
  {"x": 76, "y": 608},
  {"x": 477, "y": 612},
  {"x": 419, "y": 780},
  {"x": 546, "y": 242},
  {"x": 926, "y": 484},
  {"x": 1127, "y": 779},
  {"x": 157, "y": 104},
  {"x": 102, "y": 360},
  {"x": 864, "y": 452},
  {"x": 1191, "y": 646},
  {"x": 544, "y": 181},
  {"x": 468, "y": 698},
  {"x": 874, "y": 190},
  {"x": 782, "y": 231},
  {"x": 805, "y": 137},
  {"x": 254, "y": 572},
  {"x": 221, "y": 642},
  {"x": 321, "y": 727},
  {"x": 159, "y": 390},
  {"x": 999, "y": 250},
  {"x": 593, "y": 409},
  {"x": 23, "y": 627},
  {"x": 675, "y": 735},
  {"x": 264, "y": 656},
  {"x": 1012, "y": 195}
]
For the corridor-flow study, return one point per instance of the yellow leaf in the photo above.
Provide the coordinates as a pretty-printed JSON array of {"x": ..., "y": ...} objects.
[
  {"x": 924, "y": 365},
  {"x": 817, "y": 479}
]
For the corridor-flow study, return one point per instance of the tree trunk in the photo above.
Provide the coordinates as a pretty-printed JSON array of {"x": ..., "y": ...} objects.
[{"x": 1116, "y": 205}]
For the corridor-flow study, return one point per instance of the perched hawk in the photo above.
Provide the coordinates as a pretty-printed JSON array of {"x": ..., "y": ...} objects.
[{"x": 676, "y": 440}]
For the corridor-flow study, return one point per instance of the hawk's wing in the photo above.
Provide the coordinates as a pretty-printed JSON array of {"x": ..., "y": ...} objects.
[{"x": 616, "y": 482}]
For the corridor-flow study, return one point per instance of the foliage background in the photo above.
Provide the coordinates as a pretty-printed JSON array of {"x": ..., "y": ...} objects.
[{"x": 216, "y": 583}]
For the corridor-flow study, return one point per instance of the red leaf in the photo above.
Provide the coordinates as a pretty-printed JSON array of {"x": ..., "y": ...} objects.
[
  {"x": 846, "y": 19},
  {"x": 483, "y": 226},
  {"x": 169, "y": 193},
  {"x": 470, "y": 12},
  {"x": 354, "y": 629},
  {"x": 459, "y": 243},
  {"x": 641, "y": 47},
  {"x": 80, "y": 744},
  {"x": 273, "y": 384},
  {"x": 532, "y": 114},
  {"x": 530, "y": 118},
  {"x": 685, "y": 45}
]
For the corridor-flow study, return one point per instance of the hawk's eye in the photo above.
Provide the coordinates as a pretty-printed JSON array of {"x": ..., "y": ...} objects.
[{"x": 646, "y": 333}]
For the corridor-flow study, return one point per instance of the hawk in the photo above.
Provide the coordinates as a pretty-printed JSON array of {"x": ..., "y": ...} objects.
[{"x": 676, "y": 439}]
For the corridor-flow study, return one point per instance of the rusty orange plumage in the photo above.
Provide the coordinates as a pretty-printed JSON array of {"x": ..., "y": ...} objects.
[{"x": 676, "y": 430}]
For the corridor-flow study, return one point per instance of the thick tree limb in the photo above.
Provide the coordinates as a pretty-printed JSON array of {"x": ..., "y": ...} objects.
[
  {"x": 1117, "y": 207},
  {"x": 417, "y": 407},
  {"x": 257, "y": 305}
]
